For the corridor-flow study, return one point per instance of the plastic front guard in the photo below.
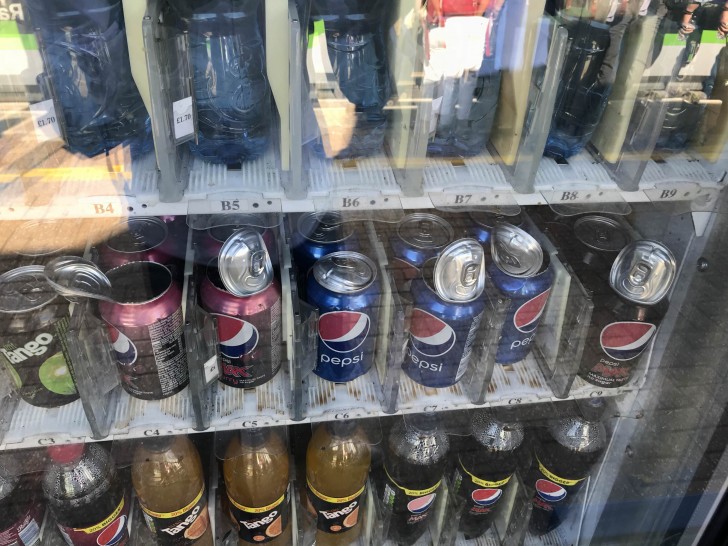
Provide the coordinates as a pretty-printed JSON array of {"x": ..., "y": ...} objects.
[
  {"x": 9, "y": 399},
  {"x": 523, "y": 119},
  {"x": 170, "y": 81}
]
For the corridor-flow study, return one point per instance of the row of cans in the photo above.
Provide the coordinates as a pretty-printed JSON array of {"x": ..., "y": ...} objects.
[{"x": 440, "y": 267}]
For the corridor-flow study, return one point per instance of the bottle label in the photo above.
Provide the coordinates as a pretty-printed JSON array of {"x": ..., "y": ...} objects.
[
  {"x": 112, "y": 530},
  {"x": 262, "y": 524},
  {"x": 415, "y": 503},
  {"x": 25, "y": 531},
  {"x": 481, "y": 496},
  {"x": 552, "y": 489},
  {"x": 334, "y": 514},
  {"x": 181, "y": 527}
]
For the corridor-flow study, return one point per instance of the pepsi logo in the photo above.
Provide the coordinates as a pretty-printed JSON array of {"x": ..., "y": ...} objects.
[
  {"x": 237, "y": 337},
  {"x": 550, "y": 491},
  {"x": 486, "y": 497},
  {"x": 527, "y": 315},
  {"x": 430, "y": 335},
  {"x": 126, "y": 351},
  {"x": 626, "y": 340},
  {"x": 113, "y": 533},
  {"x": 343, "y": 331},
  {"x": 421, "y": 504}
]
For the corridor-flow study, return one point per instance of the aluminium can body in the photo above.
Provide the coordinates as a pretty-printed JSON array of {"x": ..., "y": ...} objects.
[
  {"x": 317, "y": 235},
  {"x": 482, "y": 224},
  {"x": 347, "y": 329},
  {"x": 528, "y": 297},
  {"x": 441, "y": 337},
  {"x": 419, "y": 237},
  {"x": 619, "y": 333},
  {"x": 249, "y": 331},
  {"x": 33, "y": 326},
  {"x": 146, "y": 330}
]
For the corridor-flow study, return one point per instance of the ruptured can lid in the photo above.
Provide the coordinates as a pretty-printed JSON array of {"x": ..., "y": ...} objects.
[
  {"x": 345, "y": 272},
  {"x": 324, "y": 227},
  {"x": 515, "y": 252},
  {"x": 643, "y": 272},
  {"x": 139, "y": 235},
  {"x": 423, "y": 230},
  {"x": 227, "y": 224},
  {"x": 25, "y": 289},
  {"x": 601, "y": 233},
  {"x": 459, "y": 274},
  {"x": 244, "y": 264}
]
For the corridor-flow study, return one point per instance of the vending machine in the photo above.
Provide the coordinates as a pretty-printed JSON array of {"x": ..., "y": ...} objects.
[{"x": 347, "y": 272}]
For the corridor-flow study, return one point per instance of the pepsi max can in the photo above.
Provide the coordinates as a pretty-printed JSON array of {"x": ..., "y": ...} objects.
[
  {"x": 248, "y": 330},
  {"x": 146, "y": 330},
  {"x": 625, "y": 321},
  {"x": 420, "y": 236},
  {"x": 317, "y": 234},
  {"x": 345, "y": 288},
  {"x": 442, "y": 329},
  {"x": 522, "y": 273}
]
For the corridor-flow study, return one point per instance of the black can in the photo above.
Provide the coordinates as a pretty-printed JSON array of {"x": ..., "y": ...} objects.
[{"x": 33, "y": 325}]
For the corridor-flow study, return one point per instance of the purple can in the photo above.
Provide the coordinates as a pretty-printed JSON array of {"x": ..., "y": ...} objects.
[
  {"x": 144, "y": 239},
  {"x": 248, "y": 330},
  {"x": 146, "y": 329}
]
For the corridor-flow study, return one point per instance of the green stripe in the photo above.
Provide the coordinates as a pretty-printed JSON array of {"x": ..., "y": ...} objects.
[
  {"x": 318, "y": 29},
  {"x": 708, "y": 37},
  {"x": 11, "y": 38}
]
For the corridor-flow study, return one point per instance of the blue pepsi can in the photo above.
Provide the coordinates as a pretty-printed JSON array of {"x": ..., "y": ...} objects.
[
  {"x": 483, "y": 222},
  {"x": 345, "y": 288},
  {"x": 448, "y": 305},
  {"x": 420, "y": 236},
  {"x": 522, "y": 273},
  {"x": 317, "y": 234}
]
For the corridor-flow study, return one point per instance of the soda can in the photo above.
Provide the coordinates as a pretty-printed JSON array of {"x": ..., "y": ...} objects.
[
  {"x": 419, "y": 237},
  {"x": 227, "y": 224},
  {"x": 521, "y": 272},
  {"x": 447, "y": 309},
  {"x": 318, "y": 234},
  {"x": 625, "y": 321},
  {"x": 143, "y": 239},
  {"x": 146, "y": 330},
  {"x": 345, "y": 288},
  {"x": 485, "y": 221},
  {"x": 33, "y": 326},
  {"x": 249, "y": 327}
]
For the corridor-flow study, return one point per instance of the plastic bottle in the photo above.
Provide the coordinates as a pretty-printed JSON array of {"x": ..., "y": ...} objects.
[
  {"x": 564, "y": 453},
  {"x": 256, "y": 472},
  {"x": 232, "y": 93},
  {"x": 85, "y": 495},
  {"x": 356, "y": 45},
  {"x": 414, "y": 463},
  {"x": 338, "y": 458},
  {"x": 484, "y": 465},
  {"x": 169, "y": 483},
  {"x": 86, "y": 57},
  {"x": 21, "y": 510}
]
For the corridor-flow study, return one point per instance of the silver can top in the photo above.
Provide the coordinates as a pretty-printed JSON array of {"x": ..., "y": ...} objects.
[
  {"x": 244, "y": 264},
  {"x": 490, "y": 218},
  {"x": 459, "y": 275},
  {"x": 138, "y": 235},
  {"x": 227, "y": 224},
  {"x": 25, "y": 289},
  {"x": 324, "y": 227},
  {"x": 423, "y": 230},
  {"x": 515, "y": 252},
  {"x": 71, "y": 277},
  {"x": 601, "y": 233},
  {"x": 495, "y": 433},
  {"x": 643, "y": 272},
  {"x": 38, "y": 238},
  {"x": 345, "y": 272}
]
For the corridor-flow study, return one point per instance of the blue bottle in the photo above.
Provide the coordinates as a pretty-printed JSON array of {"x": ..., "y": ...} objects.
[
  {"x": 232, "y": 93},
  {"x": 355, "y": 39},
  {"x": 86, "y": 57}
]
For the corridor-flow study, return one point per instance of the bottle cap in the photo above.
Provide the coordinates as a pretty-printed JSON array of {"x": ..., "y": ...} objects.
[{"x": 66, "y": 454}]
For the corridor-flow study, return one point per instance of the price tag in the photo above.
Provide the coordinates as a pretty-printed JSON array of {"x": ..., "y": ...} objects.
[
  {"x": 183, "y": 120},
  {"x": 45, "y": 121},
  {"x": 473, "y": 199},
  {"x": 211, "y": 370}
]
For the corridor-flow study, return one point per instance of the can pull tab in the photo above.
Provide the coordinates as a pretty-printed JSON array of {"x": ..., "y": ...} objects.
[
  {"x": 257, "y": 262},
  {"x": 425, "y": 229},
  {"x": 469, "y": 275},
  {"x": 639, "y": 274}
]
